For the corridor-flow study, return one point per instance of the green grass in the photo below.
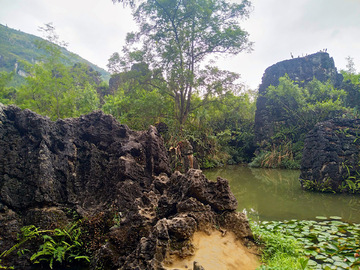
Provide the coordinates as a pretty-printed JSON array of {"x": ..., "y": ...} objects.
[{"x": 279, "y": 252}]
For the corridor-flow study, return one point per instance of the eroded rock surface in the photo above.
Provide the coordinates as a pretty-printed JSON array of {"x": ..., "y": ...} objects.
[
  {"x": 331, "y": 155},
  {"x": 137, "y": 214}
]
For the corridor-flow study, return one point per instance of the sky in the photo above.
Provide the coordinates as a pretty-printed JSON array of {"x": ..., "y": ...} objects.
[{"x": 95, "y": 29}]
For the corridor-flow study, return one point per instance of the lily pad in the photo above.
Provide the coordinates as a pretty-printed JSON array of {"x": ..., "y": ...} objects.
[
  {"x": 336, "y": 217},
  {"x": 329, "y": 260},
  {"x": 312, "y": 263},
  {"x": 341, "y": 264},
  {"x": 320, "y": 257},
  {"x": 331, "y": 244}
]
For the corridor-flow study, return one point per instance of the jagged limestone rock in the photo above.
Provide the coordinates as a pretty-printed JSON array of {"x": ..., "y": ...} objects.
[
  {"x": 331, "y": 154},
  {"x": 136, "y": 213}
]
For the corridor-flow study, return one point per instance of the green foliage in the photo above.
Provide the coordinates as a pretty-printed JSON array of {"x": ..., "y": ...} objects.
[
  {"x": 352, "y": 86},
  {"x": 54, "y": 89},
  {"x": 6, "y": 93},
  {"x": 6, "y": 267},
  {"x": 27, "y": 233},
  {"x": 221, "y": 131},
  {"x": 177, "y": 37},
  {"x": 117, "y": 219},
  {"x": 296, "y": 111},
  {"x": 318, "y": 186},
  {"x": 351, "y": 186},
  {"x": 351, "y": 182},
  {"x": 327, "y": 243},
  {"x": 231, "y": 117},
  {"x": 305, "y": 106},
  {"x": 86, "y": 99},
  {"x": 352, "y": 77},
  {"x": 138, "y": 109},
  {"x": 63, "y": 245}
]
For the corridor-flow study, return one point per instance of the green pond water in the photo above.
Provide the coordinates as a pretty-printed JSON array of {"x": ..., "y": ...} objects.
[{"x": 271, "y": 194}]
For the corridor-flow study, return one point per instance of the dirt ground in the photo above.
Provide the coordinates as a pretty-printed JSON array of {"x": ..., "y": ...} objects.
[{"x": 217, "y": 252}]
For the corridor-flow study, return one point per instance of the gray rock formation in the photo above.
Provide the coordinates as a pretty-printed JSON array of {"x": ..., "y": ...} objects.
[
  {"x": 136, "y": 215},
  {"x": 302, "y": 70},
  {"x": 331, "y": 155}
]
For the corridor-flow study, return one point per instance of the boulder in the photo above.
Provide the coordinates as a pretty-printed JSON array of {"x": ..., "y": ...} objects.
[
  {"x": 331, "y": 156},
  {"x": 135, "y": 213}
]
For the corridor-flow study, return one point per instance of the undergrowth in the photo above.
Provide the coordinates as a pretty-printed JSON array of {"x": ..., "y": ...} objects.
[
  {"x": 281, "y": 156},
  {"x": 60, "y": 245},
  {"x": 279, "y": 252}
]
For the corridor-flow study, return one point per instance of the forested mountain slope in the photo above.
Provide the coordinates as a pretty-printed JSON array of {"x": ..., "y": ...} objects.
[{"x": 16, "y": 46}]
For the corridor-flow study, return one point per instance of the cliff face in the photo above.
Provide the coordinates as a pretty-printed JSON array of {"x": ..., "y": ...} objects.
[
  {"x": 137, "y": 214},
  {"x": 302, "y": 70},
  {"x": 331, "y": 156}
]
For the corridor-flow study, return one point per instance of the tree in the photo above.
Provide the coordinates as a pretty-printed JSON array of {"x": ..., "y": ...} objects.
[
  {"x": 137, "y": 107},
  {"x": 350, "y": 66},
  {"x": 53, "y": 88},
  {"x": 350, "y": 72},
  {"x": 6, "y": 93},
  {"x": 222, "y": 132},
  {"x": 177, "y": 38}
]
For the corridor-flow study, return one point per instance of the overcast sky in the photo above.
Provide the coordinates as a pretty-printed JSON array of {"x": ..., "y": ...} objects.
[{"x": 95, "y": 29}]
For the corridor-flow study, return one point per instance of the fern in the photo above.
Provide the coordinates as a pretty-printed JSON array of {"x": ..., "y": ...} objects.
[{"x": 62, "y": 246}]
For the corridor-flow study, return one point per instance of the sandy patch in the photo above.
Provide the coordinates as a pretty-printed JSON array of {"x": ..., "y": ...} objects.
[{"x": 215, "y": 252}]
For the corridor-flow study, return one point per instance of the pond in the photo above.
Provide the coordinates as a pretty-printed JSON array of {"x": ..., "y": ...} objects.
[{"x": 272, "y": 194}]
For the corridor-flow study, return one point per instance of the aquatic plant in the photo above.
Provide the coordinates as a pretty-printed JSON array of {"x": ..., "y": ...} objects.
[{"x": 328, "y": 243}]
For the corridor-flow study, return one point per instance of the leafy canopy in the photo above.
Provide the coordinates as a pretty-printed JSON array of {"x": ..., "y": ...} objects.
[{"x": 177, "y": 37}]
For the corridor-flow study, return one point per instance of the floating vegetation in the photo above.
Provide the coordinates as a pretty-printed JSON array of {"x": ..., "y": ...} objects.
[{"x": 328, "y": 243}]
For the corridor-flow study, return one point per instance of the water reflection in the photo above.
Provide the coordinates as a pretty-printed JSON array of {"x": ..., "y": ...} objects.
[{"x": 270, "y": 194}]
